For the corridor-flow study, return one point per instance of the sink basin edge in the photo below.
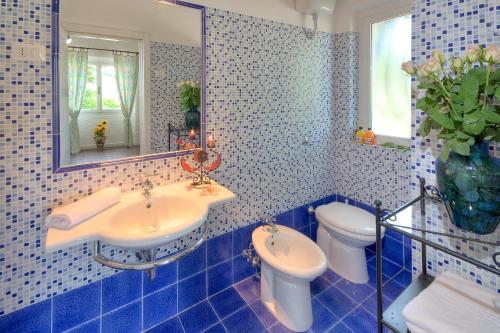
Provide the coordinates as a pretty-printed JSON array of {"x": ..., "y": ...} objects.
[{"x": 175, "y": 198}]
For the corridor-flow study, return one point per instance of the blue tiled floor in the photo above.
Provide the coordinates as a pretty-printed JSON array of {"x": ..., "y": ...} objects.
[{"x": 338, "y": 307}]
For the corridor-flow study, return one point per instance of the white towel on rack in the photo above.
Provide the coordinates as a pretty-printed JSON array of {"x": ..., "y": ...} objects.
[
  {"x": 69, "y": 216},
  {"x": 452, "y": 304}
]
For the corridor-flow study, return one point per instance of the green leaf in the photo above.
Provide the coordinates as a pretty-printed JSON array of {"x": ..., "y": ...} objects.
[
  {"x": 428, "y": 85},
  {"x": 422, "y": 104},
  {"x": 475, "y": 128},
  {"x": 473, "y": 117},
  {"x": 479, "y": 73},
  {"x": 495, "y": 76},
  {"x": 497, "y": 93},
  {"x": 446, "y": 136},
  {"x": 462, "y": 135},
  {"x": 490, "y": 116},
  {"x": 435, "y": 125},
  {"x": 440, "y": 118},
  {"x": 490, "y": 134},
  {"x": 445, "y": 152},
  {"x": 456, "y": 115},
  {"x": 470, "y": 105},
  {"x": 459, "y": 147},
  {"x": 457, "y": 99},
  {"x": 469, "y": 92},
  {"x": 425, "y": 127},
  {"x": 470, "y": 141}
]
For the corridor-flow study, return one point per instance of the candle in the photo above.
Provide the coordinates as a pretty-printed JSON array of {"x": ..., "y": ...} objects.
[
  {"x": 192, "y": 135},
  {"x": 211, "y": 142}
]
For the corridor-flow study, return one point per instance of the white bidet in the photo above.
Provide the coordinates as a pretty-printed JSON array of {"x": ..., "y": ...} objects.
[{"x": 290, "y": 261}]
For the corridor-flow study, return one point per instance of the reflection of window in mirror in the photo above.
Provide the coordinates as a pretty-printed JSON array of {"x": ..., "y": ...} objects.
[
  {"x": 101, "y": 92},
  {"x": 103, "y": 76},
  {"x": 120, "y": 80}
]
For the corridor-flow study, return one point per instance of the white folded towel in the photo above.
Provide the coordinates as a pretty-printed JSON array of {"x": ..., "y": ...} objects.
[
  {"x": 71, "y": 215},
  {"x": 452, "y": 304}
]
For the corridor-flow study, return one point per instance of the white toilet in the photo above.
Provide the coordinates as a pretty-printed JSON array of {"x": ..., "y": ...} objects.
[
  {"x": 343, "y": 233},
  {"x": 289, "y": 261}
]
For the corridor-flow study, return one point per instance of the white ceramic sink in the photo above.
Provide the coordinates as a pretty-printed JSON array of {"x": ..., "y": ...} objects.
[
  {"x": 175, "y": 211},
  {"x": 166, "y": 214}
]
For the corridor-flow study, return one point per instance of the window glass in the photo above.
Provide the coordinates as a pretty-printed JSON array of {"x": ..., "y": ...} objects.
[
  {"x": 110, "y": 97},
  {"x": 90, "y": 99},
  {"x": 390, "y": 86}
]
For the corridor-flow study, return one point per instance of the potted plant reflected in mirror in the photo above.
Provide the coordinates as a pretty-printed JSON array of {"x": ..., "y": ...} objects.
[
  {"x": 190, "y": 95},
  {"x": 100, "y": 135},
  {"x": 462, "y": 104}
]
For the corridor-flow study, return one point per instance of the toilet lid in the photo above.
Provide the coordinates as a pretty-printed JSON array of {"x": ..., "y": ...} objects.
[{"x": 348, "y": 218}]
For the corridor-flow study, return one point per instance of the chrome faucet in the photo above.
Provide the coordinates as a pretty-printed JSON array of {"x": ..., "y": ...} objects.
[
  {"x": 147, "y": 187},
  {"x": 271, "y": 225}
]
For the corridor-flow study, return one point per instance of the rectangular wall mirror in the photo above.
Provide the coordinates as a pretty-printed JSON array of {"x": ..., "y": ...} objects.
[{"x": 128, "y": 81}]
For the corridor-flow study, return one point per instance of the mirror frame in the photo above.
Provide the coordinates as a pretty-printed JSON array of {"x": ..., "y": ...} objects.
[{"x": 56, "y": 162}]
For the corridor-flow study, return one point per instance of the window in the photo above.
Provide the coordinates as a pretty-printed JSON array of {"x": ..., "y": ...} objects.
[
  {"x": 390, "y": 86},
  {"x": 110, "y": 97},
  {"x": 385, "y": 90},
  {"x": 101, "y": 93}
]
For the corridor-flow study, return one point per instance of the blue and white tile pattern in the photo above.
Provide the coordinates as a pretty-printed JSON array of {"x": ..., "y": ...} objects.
[
  {"x": 449, "y": 26},
  {"x": 170, "y": 64}
]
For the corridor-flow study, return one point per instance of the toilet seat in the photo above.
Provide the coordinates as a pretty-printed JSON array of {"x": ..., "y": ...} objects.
[
  {"x": 348, "y": 220},
  {"x": 343, "y": 233}
]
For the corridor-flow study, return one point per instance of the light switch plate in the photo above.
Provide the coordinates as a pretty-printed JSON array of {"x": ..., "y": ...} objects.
[{"x": 28, "y": 52}]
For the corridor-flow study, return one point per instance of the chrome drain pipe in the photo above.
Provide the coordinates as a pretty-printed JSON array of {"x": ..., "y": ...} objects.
[{"x": 147, "y": 256}]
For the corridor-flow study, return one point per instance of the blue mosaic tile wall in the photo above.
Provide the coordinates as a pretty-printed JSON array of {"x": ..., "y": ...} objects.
[
  {"x": 170, "y": 64},
  {"x": 268, "y": 87},
  {"x": 365, "y": 173},
  {"x": 188, "y": 291},
  {"x": 449, "y": 26},
  {"x": 270, "y": 106}
]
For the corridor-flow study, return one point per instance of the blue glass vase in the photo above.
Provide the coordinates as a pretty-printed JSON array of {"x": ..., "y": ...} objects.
[
  {"x": 472, "y": 186},
  {"x": 192, "y": 119}
]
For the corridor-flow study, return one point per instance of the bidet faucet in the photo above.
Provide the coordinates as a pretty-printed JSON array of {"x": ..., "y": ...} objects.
[{"x": 269, "y": 222}]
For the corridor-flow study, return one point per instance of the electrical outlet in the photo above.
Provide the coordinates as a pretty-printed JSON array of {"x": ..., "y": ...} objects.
[{"x": 28, "y": 52}]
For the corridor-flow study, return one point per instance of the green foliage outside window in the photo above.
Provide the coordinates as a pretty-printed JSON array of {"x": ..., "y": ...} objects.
[{"x": 109, "y": 92}]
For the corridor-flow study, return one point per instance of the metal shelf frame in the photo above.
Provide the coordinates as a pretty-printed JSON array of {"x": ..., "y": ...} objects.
[{"x": 392, "y": 317}]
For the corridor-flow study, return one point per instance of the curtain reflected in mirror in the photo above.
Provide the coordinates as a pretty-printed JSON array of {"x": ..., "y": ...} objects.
[{"x": 129, "y": 84}]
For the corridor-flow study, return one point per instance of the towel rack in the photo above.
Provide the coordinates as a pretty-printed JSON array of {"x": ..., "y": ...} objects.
[{"x": 149, "y": 263}]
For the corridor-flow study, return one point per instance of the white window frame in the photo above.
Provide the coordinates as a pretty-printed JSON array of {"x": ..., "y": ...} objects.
[
  {"x": 365, "y": 20},
  {"x": 144, "y": 91},
  {"x": 98, "y": 75}
]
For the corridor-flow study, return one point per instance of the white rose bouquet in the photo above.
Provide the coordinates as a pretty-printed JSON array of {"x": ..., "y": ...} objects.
[{"x": 461, "y": 102}]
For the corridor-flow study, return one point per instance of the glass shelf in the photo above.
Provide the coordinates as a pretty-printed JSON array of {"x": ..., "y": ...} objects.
[{"x": 428, "y": 219}]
